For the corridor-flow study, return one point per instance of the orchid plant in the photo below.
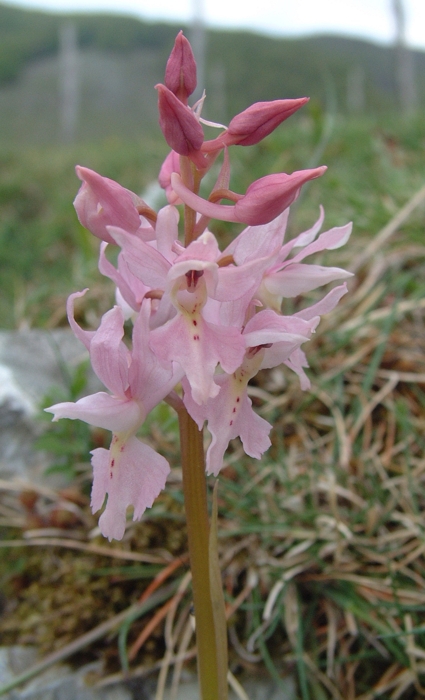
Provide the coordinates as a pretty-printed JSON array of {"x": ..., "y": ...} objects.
[{"x": 204, "y": 322}]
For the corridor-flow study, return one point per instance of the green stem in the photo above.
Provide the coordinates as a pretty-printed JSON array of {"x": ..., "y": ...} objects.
[{"x": 195, "y": 498}]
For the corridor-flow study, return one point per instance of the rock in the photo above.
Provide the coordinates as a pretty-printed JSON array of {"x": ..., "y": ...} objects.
[
  {"x": 59, "y": 682},
  {"x": 31, "y": 363}
]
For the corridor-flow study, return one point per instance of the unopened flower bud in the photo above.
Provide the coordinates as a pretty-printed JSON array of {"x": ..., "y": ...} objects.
[
  {"x": 260, "y": 119},
  {"x": 263, "y": 201},
  {"x": 180, "y": 127},
  {"x": 267, "y": 197},
  {"x": 255, "y": 123},
  {"x": 170, "y": 165},
  {"x": 180, "y": 72},
  {"x": 102, "y": 202}
]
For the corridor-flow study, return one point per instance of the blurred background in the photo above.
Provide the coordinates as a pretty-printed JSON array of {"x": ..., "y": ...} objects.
[{"x": 68, "y": 75}]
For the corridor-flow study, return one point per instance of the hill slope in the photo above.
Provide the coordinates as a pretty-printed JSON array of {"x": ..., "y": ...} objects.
[{"x": 120, "y": 59}]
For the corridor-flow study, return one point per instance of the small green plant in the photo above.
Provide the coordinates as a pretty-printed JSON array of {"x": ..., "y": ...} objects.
[{"x": 68, "y": 442}]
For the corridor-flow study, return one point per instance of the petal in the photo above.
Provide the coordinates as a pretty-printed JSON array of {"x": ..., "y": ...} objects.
[
  {"x": 84, "y": 336},
  {"x": 308, "y": 236},
  {"x": 143, "y": 260},
  {"x": 299, "y": 278},
  {"x": 229, "y": 415},
  {"x": 101, "y": 410},
  {"x": 109, "y": 356},
  {"x": 108, "y": 270},
  {"x": 258, "y": 241},
  {"x": 166, "y": 231},
  {"x": 325, "y": 305},
  {"x": 254, "y": 431},
  {"x": 329, "y": 240},
  {"x": 297, "y": 361},
  {"x": 198, "y": 347},
  {"x": 149, "y": 380},
  {"x": 132, "y": 474},
  {"x": 270, "y": 327}
]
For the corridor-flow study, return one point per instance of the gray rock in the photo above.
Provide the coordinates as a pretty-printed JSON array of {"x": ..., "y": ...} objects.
[
  {"x": 31, "y": 363},
  {"x": 59, "y": 682}
]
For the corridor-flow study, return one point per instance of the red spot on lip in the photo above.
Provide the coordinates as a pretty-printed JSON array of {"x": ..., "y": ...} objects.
[
  {"x": 196, "y": 337},
  {"x": 110, "y": 474},
  {"x": 234, "y": 410},
  {"x": 231, "y": 422},
  {"x": 112, "y": 462},
  {"x": 238, "y": 399},
  {"x": 195, "y": 323}
]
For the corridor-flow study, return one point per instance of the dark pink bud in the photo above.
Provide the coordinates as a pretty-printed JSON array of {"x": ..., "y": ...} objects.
[
  {"x": 255, "y": 123},
  {"x": 180, "y": 127},
  {"x": 267, "y": 197},
  {"x": 259, "y": 120},
  {"x": 264, "y": 200},
  {"x": 180, "y": 72}
]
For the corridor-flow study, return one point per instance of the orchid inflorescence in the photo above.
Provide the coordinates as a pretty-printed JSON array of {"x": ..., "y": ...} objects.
[{"x": 205, "y": 321}]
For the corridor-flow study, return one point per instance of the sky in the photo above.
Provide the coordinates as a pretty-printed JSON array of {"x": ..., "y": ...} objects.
[{"x": 369, "y": 19}]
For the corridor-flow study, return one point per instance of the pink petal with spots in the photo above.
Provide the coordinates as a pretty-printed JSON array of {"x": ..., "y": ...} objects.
[
  {"x": 199, "y": 349},
  {"x": 136, "y": 478},
  {"x": 229, "y": 415}
]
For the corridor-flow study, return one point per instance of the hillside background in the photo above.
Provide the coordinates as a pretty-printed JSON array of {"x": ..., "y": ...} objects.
[{"x": 119, "y": 59}]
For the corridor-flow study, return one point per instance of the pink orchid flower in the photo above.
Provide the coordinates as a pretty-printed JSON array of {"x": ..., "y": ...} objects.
[
  {"x": 286, "y": 277},
  {"x": 130, "y": 472},
  {"x": 229, "y": 413}
]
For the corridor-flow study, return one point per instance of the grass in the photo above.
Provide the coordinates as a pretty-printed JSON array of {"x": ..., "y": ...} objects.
[{"x": 322, "y": 543}]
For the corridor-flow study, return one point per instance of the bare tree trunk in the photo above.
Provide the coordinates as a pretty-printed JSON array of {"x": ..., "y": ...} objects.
[
  {"x": 405, "y": 78},
  {"x": 68, "y": 77},
  {"x": 198, "y": 41}
]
